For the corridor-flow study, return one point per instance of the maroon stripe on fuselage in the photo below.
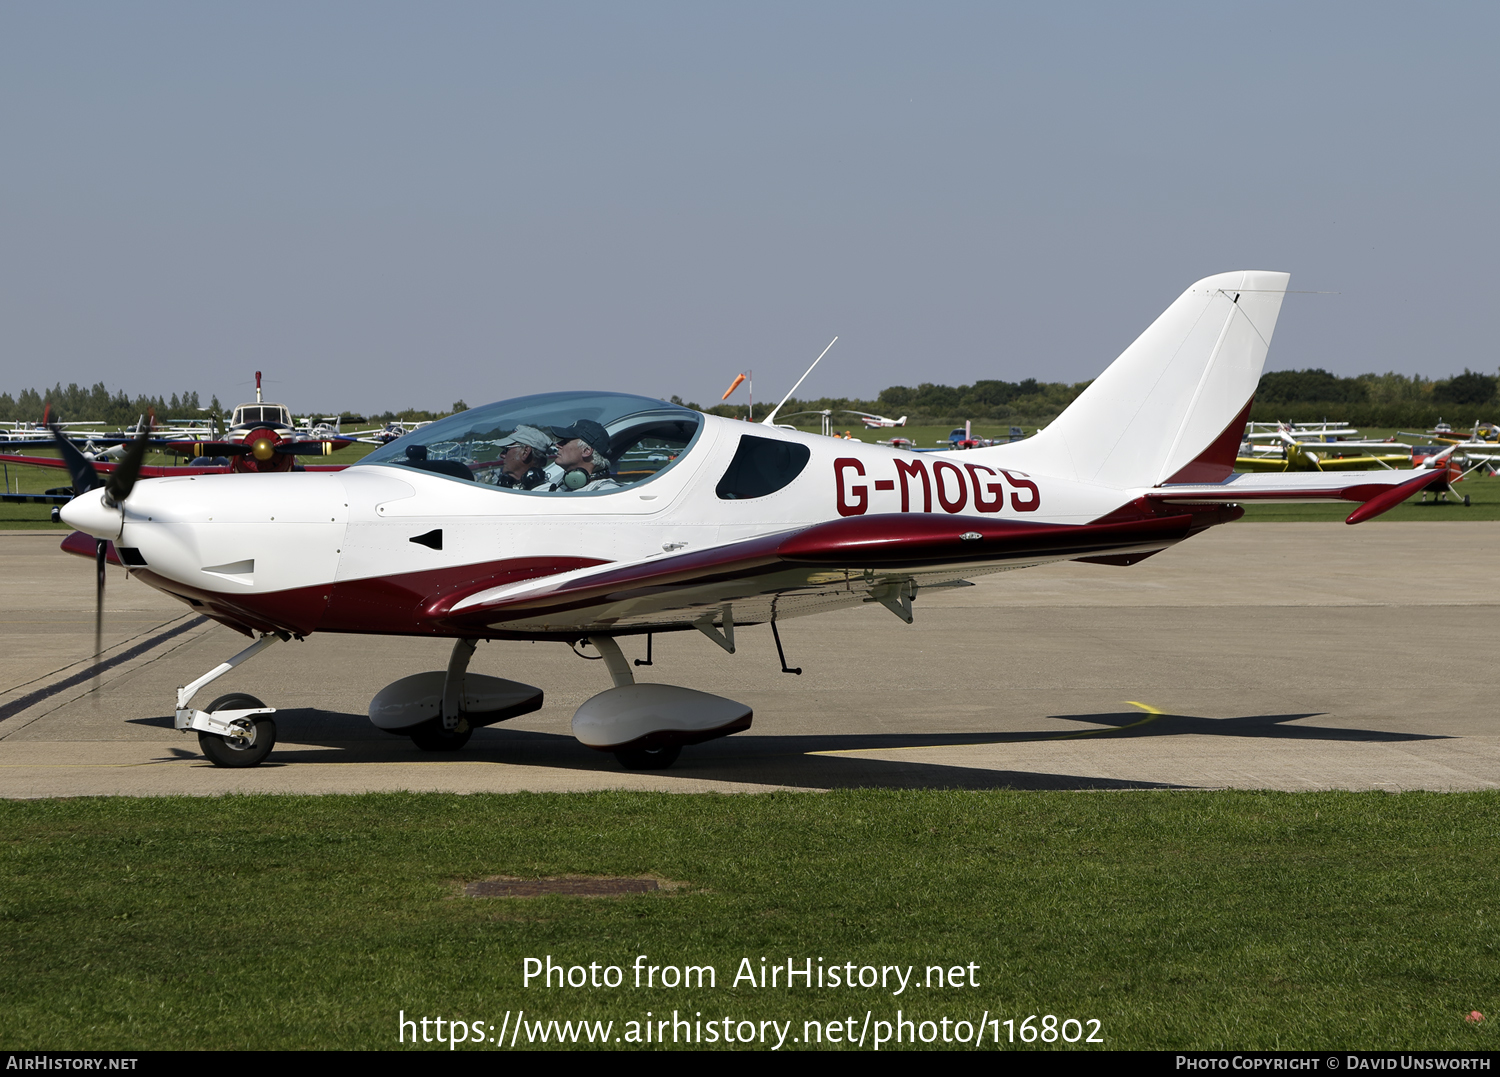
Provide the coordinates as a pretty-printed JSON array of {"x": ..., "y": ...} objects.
[
  {"x": 897, "y": 539},
  {"x": 86, "y": 546},
  {"x": 887, "y": 541},
  {"x": 417, "y": 602},
  {"x": 411, "y": 603},
  {"x": 421, "y": 603}
]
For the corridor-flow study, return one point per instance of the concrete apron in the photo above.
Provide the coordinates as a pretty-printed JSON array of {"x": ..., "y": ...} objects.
[{"x": 1264, "y": 656}]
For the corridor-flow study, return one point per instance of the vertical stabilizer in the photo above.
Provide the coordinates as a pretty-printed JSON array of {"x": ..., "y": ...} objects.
[{"x": 1172, "y": 407}]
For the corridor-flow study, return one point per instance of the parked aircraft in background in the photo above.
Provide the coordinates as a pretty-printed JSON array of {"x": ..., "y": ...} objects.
[
  {"x": 386, "y": 434},
  {"x": 963, "y": 437},
  {"x": 1294, "y": 454},
  {"x": 876, "y": 422},
  {"x": 1320, "y": 431},
  {"x": 94, "y": 439},
  {"x": 261, "y": 437},
  {"x": 1483, "y": 435},
  {"x": 718, "y": 525}
]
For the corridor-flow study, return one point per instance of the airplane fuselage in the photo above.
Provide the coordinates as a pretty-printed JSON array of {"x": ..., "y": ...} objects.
[{"x": 391, "y": 549}]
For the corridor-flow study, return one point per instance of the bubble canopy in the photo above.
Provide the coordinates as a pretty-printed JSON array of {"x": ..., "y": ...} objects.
[{"x": 646, "y": 437}]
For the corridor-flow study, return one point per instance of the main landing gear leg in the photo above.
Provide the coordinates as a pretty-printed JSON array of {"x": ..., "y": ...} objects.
[
  {"x": 452, "y": 730},
  {"x": 620, "y": 673},
  {"x": 236, "y": 730},
  {"x": 646, "y": 725}
]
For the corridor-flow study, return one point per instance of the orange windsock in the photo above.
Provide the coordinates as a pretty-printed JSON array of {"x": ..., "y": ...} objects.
[{"x": 733, "y": 386}]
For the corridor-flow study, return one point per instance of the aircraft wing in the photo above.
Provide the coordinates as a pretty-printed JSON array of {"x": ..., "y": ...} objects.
[
  {"x": 36, "y": 499},
  {"x": 40, "y": 461},
  {"x": 148, "y": 471},
  {"x": 291, "y": 447},
  {"x": 1380, "y": 491},
  {"x": 1362, "y": 463},
  {"x": 883, "y": 558}
]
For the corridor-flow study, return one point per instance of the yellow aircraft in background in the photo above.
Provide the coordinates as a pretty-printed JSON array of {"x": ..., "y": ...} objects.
[{"x": 1298, "y": 455}]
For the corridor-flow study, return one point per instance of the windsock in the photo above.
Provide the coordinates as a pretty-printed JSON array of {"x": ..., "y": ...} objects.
[{"x": 733, "y": 386}]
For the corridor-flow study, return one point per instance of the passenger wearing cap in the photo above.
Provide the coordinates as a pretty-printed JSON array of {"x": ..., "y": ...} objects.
[
  {"x": 581, "y": 463},
  {"x": 523, "y": 456}
]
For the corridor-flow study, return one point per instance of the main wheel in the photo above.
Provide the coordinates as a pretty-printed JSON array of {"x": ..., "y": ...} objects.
[
  {"x": 432, "y": 737},
  {"x": 248, "y": 750},
  {"x": 649, "y": 758}
]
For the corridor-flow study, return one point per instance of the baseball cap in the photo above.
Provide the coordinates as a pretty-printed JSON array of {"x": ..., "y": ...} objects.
[
  {"x": 529, "y": 436},
  {"x": 586, "y": 430}
]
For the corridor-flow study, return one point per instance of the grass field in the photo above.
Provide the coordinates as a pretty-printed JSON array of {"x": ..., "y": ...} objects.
[
  {"x": 1209, "y": 920},
  {"x": 1482, "y": 490}
]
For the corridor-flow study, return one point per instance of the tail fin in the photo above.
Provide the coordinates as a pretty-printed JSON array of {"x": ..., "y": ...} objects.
[{"x": 1173, "y": 406}]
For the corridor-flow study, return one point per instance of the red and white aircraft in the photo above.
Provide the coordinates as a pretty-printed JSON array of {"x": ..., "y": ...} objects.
[
  {"x": 708, "y": 525},
  {"x": 876, "y": 422},
  {"x": 260, "y": 438}
]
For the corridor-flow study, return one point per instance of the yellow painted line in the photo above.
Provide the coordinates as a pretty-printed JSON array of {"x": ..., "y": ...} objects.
[{"x": 1152, "y": 714}]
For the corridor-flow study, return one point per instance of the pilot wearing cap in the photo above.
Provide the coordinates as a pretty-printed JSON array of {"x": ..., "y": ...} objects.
[
  {"x": 581, "y": 463},
  {"x": 523, "y": 455}
]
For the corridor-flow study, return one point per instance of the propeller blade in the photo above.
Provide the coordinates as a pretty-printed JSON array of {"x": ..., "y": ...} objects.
[
  {"x": 79, "y": 469},
  {"x": 122, "y": 479},
  {"x": 210, "y": 448},
  {"x": 99, "y": 552},
  {"x": 311, "y": 448}
]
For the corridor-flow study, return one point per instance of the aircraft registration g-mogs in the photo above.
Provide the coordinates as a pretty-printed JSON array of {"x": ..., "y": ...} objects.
[{"x": 580, "y": 516}]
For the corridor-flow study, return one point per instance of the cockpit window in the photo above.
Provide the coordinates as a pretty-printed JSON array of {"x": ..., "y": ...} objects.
[
  {"x": 637, "y": 436},
  {"x": 256, "y": 414},
  {"x": 761, "y": 466}
]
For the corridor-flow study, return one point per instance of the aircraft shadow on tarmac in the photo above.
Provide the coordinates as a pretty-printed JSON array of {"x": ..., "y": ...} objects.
[
  {"x": 1136, "y": 724},
  {"x": 797, "y": 761}
]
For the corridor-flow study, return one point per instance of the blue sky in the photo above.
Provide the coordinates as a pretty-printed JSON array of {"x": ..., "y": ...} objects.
[{"x": 392, "y": 205}]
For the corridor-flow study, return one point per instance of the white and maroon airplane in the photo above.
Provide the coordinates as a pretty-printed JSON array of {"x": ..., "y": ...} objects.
[{"x": 709, "y": 525}]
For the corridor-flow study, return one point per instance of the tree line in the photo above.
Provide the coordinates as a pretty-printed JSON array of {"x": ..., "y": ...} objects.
[
  {"x": 1388, "y": 400},
  {"x": 1381, "y": 400},
  {"x": 98, "y": 405},
  {"x": 1026, "y": 403}
]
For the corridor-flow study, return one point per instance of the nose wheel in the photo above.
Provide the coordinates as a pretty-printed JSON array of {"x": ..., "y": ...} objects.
[{"x": 257, "y": 739}]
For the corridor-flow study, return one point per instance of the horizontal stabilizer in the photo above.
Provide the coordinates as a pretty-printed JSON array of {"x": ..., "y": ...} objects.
[{"x": 1379, "y": 490}]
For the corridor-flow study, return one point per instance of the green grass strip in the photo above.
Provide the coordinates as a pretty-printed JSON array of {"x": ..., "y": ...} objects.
[{"x": 1207, "y": 920}]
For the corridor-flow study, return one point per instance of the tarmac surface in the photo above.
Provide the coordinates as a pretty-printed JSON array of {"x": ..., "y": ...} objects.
[{"x": 1255, "y": 656}]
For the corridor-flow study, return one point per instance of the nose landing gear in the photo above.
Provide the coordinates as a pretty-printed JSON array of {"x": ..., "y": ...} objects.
[
  {"x": 257, "y": 733},
  {"x": 236, "y": 730}
]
